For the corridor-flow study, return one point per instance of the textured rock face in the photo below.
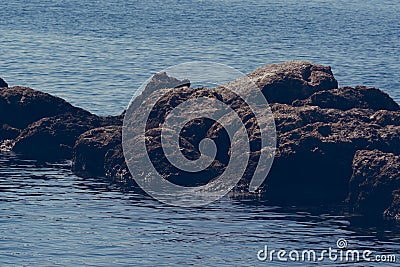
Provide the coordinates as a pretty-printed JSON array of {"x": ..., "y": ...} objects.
[
  {"x": 3, "y": 83},
  {"x": 393, "y": 211},
  {"x": 53, "y": 138},
  {"x": 314, "y": 161},
  {"x": 99, "y": 152},
  {"x": 293, "y": 80},
  {"x": 280, "y": 83},
  {"x": 42, "y": 126},
  {"x": 21, "y": 106},
  {"x": 92, "y": 146},
  {"x": 346, "y": 98},
  {"x": 375, "y": 183}
]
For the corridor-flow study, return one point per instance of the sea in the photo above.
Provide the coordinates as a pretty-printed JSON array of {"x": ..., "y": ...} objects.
[{"x": 96, "y": 54}]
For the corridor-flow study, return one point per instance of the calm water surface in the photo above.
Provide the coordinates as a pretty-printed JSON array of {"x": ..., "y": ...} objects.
[
  {"x": 51, "y": 217},
  {"x": 96, "y": 53}
]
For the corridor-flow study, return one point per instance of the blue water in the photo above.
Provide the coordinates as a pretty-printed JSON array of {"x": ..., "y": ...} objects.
[{"x": 96, "y": 53}]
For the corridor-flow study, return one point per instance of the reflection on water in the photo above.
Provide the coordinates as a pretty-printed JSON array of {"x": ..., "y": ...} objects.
[{"x": 50, "y": 216}]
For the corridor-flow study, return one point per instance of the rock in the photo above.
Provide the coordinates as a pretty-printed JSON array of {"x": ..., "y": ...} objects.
[
  {"x": 8, "y": 132},
  {"x": 92, "y": 146},
  {"x": 293, "y": 80},
  {"x": 328, "y": 138},
  {"x": 44, "y": 126},
  {"x": 320, "y": 157},
  {"x": 288, "y": 117},
  {"x": 161, "y": 80},
  {"x": 375, "y": 184},
  {"x": 5, "y": 146},
  {"x": 318, "y": 144},
  {"x": 3, "y": 83},
  {"x": 286, "y": 82},
  {"x": 385, "y": 117},
  {"x": 115, "y": 166},
  {"x": 53, "y": 138},
  {"x": 346, "y": 98},
  {"x": 393, "y": 211},
  {"x": 21, "y": 106}
]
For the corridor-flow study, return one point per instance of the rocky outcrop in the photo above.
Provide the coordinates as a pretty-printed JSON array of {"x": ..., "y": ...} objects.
[
  {"x": 375, "y": 184},
  {"x": 99, "y": 152},
  {"x": 293, "y": 80},
  {"x": 318, "y": 135},
  {"x": 3, "y": 83},
  {"x": 320, "y": 156},
  {"x": 332, "y": 143},
  {"x": 42, "y": 126}
]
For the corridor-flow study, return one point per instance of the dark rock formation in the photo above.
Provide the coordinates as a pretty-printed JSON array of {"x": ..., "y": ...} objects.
[
  {"x": 375, "y": 184},
  {"x": 346, "y": 98},
  {"x": 3, "y": 83},
  {"x": 115, "y": 166},
  {"x": 21, "y": 106},
  {"x": 53, "y": 138},
  {"x": 320, "y": 157},
  {"x": 385, "y": 117},
  {"x": 44, "y": 126},
  {"x": 393, "y": 211},
  {"x": 317, "y": 136},
  {"x": 332, "y": 143},
  {"x": 91, "y": 148},
  {"x": 161, "y": 80},
  {"x": 293, "y": 80},
  {"x": 99, "y": 151}
]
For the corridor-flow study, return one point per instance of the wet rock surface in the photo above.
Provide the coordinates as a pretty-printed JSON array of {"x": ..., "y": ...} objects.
[{"x": 333, "y": 144}]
